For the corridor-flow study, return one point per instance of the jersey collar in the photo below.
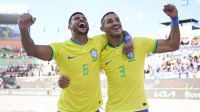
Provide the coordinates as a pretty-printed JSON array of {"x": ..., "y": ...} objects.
[{"x": 76, "y": 43}]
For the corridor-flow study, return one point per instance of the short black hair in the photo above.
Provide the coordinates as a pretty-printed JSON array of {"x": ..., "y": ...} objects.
[
  {"x": 69, "y": 22},
  {"x": 105, "y": 16}
]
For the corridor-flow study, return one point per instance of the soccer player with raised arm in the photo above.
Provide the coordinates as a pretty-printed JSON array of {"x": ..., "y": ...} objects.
[
  {"x": 78, "y": 58},
  {"x": 125, "y": 74}
]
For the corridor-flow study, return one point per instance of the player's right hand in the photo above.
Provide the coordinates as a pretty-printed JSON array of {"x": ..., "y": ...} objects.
[
  {"x": 63, "y": 82},
  {"x": 25, "y": 21}
]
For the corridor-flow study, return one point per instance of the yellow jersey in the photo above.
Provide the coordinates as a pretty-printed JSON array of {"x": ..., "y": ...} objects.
[
  {"x": 81, "y": 63},
  {"x": 125, "y": 76}
]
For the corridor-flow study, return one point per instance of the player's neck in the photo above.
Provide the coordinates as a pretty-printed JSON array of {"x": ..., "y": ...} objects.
[
  {"x": 115, "y": 41},
  {"x": 81, "y": 39}
]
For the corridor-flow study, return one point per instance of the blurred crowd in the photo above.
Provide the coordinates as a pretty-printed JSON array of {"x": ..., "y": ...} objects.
[
  {"x": 183, "y": 63},
  {"x": 15, "y": 63},
  {"x": 9, "y": 31}
]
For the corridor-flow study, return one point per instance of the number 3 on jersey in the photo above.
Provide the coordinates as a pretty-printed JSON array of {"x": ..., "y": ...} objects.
[
  {"x": 85, "y": 69},
  {"x": 122, "y": 71}
]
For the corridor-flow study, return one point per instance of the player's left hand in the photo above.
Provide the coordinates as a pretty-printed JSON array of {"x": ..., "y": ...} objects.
[{"x": 170, "y": 10}]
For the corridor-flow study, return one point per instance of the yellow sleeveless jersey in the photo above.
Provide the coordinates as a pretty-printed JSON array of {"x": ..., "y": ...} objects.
[
  {"x": 126, "y": 76},
  {"x": 82, "y": 64}
]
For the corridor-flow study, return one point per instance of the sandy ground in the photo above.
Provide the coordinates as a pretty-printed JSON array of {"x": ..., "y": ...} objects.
[{"x": 48, "y": 104}]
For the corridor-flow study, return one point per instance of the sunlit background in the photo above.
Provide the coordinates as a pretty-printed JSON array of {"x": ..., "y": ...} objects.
[{"x": 27, "y": 84}]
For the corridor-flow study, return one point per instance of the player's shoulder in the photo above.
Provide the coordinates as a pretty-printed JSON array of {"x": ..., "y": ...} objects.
[
  {"x": 57, "y": 44},
  {"x": 142, "y": 39},
  {"x": 99, "y": 40},
  {"x": 139, "y": 38},
  {"x": 100, "y": 36}
]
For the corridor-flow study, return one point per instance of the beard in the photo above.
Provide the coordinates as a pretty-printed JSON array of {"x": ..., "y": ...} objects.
[
  {"x": 118, "y": 35},
  {"x": 77, "y": 31}
]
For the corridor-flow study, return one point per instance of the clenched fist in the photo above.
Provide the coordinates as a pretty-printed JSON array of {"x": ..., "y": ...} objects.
[
  {"x": 25, "y": 21},
  {"x": 170, "y": 10}
]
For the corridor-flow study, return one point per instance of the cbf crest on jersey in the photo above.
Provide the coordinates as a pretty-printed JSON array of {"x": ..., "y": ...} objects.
[
  {"x": 130, "y": 56},
  {"x": 94, "y": 54}
]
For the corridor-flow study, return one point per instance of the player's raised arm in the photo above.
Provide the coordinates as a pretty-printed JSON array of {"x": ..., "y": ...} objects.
[
  {"x": 39, "y": 51},
  {"x": 173, "y": 41}
]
